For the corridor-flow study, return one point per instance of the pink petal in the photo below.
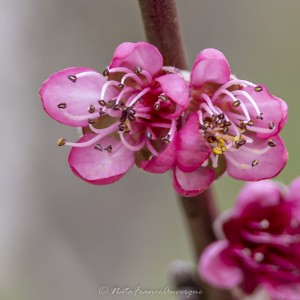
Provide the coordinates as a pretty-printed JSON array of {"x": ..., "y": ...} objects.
[
  {"x": 294, "y": 190},
  {"x": 78, "y": 96},
  {"x": 100, "y": 167},
  {"x": 274, "y": 110},
  {"x": 265, "y": 193},
  {"x": 210, "y": 66},
  {"x": 192, "y": 150},
  {"x": 175, "y": 87},
  {"x": 163, "y": 162},
  {"x": 218, "y": 268},
  {"x": 193, "y": 183},
  {"x": 141, "y": 54},
  {"x": 270, "y": 161}
]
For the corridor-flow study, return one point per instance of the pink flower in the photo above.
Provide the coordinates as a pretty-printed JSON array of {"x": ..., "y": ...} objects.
[
  {"x": 132, "y": 108},
  {"x": 239, "y": 120},
  {"x": 261, "y": 245}
]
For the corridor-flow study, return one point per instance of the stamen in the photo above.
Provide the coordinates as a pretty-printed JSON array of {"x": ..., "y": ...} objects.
[
  {"x": 88, "y": 73},
  {"x": 119, "y": 69},
  {"x": 79, "y": 118},
  {"x": 108, "y": 149},
  {"x": 132, "y": 147},
  {"x": 271, "y": 143},
  {"x": 166, "y": 138},
  {"x": 98, "y": 147},
  {"x": 73, "y": 78},
  {"x": 90, "y": 142},
  {"x": 91, "y": 121},
  {"x": 122, "y": 127},
  {"x": 258, "y": 89},
  {"x": 260, "y": 116},
  {"x": 104, "y": 131},
  {"x": 163, "y": 98},
  {"x": 123, "y": 92},
  {"x": 138, "y": 70},
  {"x": 147, "y": 75},
  {"x": 214, "y": 160},
  {"x": 105, "y": 72},
  {"x": 162, "y": 125},
  {"x": 271, "y": 125},
  {"x": 208, "y": 101},
  {"x": 91, "y": 109},
  {"x": 102, "y": 102},
  {"x": 138, "y": 96},
  {"x": 61, "y": 142},
  {"x": 156, "y": 106},
  {"x": 236, "y": 103},
  {"x": 151, "y": 148},
  {"x": 254, "y": 163},
  {"x": 106, "y": 85},
  {"x": 62, "y": 105},
  {"x": 148, "y": 135},
  {"x": 248, "y": 97}
]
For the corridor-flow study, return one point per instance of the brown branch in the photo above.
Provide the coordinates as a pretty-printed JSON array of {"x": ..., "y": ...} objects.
[{"x": 162, "y": 30}]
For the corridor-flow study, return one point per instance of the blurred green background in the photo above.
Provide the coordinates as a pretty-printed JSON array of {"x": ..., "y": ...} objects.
[{"x": 61, "y": 238}]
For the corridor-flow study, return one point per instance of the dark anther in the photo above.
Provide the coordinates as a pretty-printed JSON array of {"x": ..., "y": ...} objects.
[
  {"x": 254, "y": 163},
  {"x": 156, "y": 106},
  {"x": 122, "y": 127},
  {"x": 73, "y": 78},
  {"x": 214, "y": 118},
  {"x": 236, "y": 103},
  {"x": 102, "y": 102},
  {"x": 62, "y": 105},
  {"x": 110, "y": 103},
  {"x": 108, "y": 149},
  {"x": 131, "y": 117},
  {"x": 241, "y": 143},
  {"x": 138, "y": 70},
  {"x": 271, "y": 143},
  {"x": 131, "y": 111},
  {"x": 260, "y": 116},
  {"x": 225, "y": 130},
  {"x": 258, "y": 89},
  {"x": 121, "y": 85},
  {"x": 219, "y": 122},
  {"x": 250, "y": 123},
  {"x": 227, "y": 123},
  {"x": 100, "y": 111},
  {"x": 221, "y": 116},
  {"x": 98, "y": 147},
  {"x": 92, "y": 109},
  {"x": 271, "y": 125},
  {"x": 163, "y": 98},
  {"x": 211, "y": 139},
  {"x": 61, "y": 142},
  {"x": 105, "y": 72},
  {"x": 165, "y": 138},
  {"x": 91, "y": 121},
  {"x": 123, "y": 119},
  {"x": 148, "y": 135},
  {"x": 151, "y": 157},
  {"x": 124, "y": 113}
]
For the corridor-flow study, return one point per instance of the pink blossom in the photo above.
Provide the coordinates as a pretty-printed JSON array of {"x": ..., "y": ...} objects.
[
  {"x": 239, "y": 120},
  {"x": 128, "y": 113},
  {"x": 261, "y": 245}
]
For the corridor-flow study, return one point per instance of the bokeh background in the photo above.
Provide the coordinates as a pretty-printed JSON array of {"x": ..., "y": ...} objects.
[{"x": 61, "y": 238}]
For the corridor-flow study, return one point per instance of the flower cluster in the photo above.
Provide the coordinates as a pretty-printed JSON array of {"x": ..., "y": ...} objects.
[
  {"x": 261, "y": 243},
  {"x": 139, "y": 111}
]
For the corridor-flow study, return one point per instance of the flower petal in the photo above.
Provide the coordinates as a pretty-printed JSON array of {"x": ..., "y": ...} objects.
[
  {"x": 175, "y": 87},
  {"x": 163, "y": 162},
  {"x": 78, "y": 96},
  {"x": 275, "y": 110},
  {"x": 268, "y": 161},
  {"x": 265, "y": 193},
  {"x": 193, "y": 183},
  {"x": 141, "y": 54},
  {"x": 191, "y": 149},
  {"x": 211, "y": 66},
  {"x": 100, "y": 167},
  {"x": 294, "y": 190},
  {"x": 218, "y": 268}
]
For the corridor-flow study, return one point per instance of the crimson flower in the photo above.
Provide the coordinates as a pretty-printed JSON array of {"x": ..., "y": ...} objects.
[{"x": 261, "y": 242}]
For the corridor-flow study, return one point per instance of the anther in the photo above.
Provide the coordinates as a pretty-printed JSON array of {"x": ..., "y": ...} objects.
[
  {"x": 250, "y": 123},
  {"x": 214, "y": 118},
  {"x": 110, "y": 103},
  {"x": 156, "y": 106},
  {"x": 91, "y": 121},
  {"x": 131, "y": 111},
  {"x": 227, "y": 123},
  {"x": 254, "y": 163},
  {"x": 121, "y": 85},
  {"x": 122, "y": 127},
  {"x": 225, "y": 130},
  {"x": 264, "y": 224},
  {"x": 241, "y": 143},
  {"x": 217, "y": 151},
  {"x": 108, "y": 149},
  {"x": 271, "y": 125},
  {"x": 73, "y": 78},
  {"x": 165, "y": 138},
  {"x": 163, "y": 98},
  {"x": 258, "y": 89},
  {"x": 62, "y": 105},
  {"x": 211, "y": 139},
  {"x": 102, "y": 102},
  {"x": 219, "y": 122},
  {"x": 236, "y": 103},
  {"x": 138, "y": 70},
  {"x": 92, "y": 109},
  {"x": 131, "y": 117},
  {"x": 61, "y": 142},
  {"x": 105, "y": 72},
  {"x": 148, "y": 135},
  {"x": 221, "y": 116},
  {"x": 258, "y": 257},
  {"x": 151, "y": 157},
  {"x": 98, "y": 147},
  {"x": 271, "y": 143},
  {"x": 260, "y": 116}
]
